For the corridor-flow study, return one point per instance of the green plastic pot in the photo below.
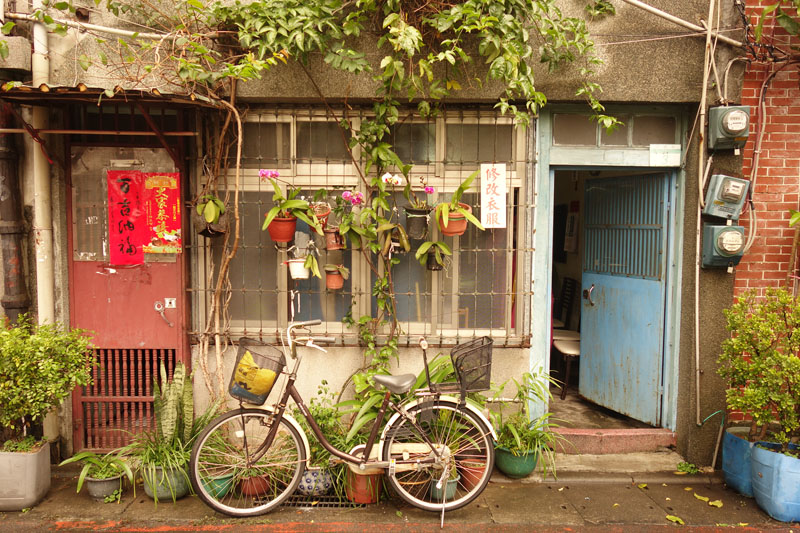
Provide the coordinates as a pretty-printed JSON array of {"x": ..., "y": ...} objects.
[{"x": 515, "y": 466}]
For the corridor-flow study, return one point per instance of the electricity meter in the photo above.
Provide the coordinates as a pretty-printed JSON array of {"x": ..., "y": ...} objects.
[
  {"x": 728, "y": 127},
  {"x": 723, "y": 246},
  {"x": 725, "y": 196}
]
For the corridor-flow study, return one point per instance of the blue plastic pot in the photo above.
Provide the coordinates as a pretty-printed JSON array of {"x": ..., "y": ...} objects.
[
  {"x": 736, "y": 450},
  {"x": 776, "y": 482}
]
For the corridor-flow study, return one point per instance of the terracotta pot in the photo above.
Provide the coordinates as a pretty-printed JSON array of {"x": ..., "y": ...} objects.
[
  {"x": 322, "y": 210},
  {"x": 363, "y": 488},
  {"x": 333, "y": 280},
  {"x": 333, "y": 240},
  {"x": 282, "y": 229},
  {"x": 417, "y": 222},
  {"x": 471, "y": 473},
  {"x": 456, "y": 223},
  {"x": 253, "y": 486}
]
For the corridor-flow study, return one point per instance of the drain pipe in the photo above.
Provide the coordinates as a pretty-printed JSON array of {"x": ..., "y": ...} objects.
[
  {"x": 15, "y": 299},
  {"x": 42, "y": 201},
  {"x": 679, "y": 21}
]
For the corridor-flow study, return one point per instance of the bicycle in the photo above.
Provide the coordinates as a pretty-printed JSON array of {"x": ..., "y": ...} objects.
[{"x": 424, "y": 439}]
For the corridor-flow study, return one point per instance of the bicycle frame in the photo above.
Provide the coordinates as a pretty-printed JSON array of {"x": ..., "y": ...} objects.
[{"x": 290, "y": 391}]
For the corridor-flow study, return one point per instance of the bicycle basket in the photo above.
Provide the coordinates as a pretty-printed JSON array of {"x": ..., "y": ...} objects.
[
  {"x": 472, "y": 362},
  {"x": 255, "y": 372}
]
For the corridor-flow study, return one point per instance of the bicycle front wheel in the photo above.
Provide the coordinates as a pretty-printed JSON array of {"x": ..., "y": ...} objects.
[
  {"x": 222, "y": 471},
  {"x": 466, "y": 452}
]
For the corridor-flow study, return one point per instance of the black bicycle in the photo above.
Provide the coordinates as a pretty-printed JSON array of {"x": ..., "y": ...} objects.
[{"x": 436, "y": 450}]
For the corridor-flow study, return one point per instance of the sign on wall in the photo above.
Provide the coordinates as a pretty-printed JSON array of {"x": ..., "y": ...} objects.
[
  {"x": 143, "y": 215},
  {"x": 493, "y": 195}
]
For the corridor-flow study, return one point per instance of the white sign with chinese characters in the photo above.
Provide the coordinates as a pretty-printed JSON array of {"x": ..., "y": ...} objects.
[{"x": 493, "y": 195}]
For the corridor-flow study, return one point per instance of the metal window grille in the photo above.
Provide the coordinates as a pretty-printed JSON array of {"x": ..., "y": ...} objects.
[{"x": 480, "y": 291}]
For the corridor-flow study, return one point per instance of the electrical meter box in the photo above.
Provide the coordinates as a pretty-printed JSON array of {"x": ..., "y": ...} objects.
[
  {"x": 723, "y": 246},
  {"x": 725, "y": 196},
  {"x": 728, "y": 127}
]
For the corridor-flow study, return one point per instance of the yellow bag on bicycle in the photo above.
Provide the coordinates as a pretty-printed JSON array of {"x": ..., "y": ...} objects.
[{"x": 253, "y": 379}]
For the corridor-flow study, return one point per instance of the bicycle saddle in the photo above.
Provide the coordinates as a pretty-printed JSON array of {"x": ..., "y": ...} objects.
[{"x": 396, "y": 384}]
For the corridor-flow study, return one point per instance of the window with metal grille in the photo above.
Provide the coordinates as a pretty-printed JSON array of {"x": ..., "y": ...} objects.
[{"x": 477, "y": 292}]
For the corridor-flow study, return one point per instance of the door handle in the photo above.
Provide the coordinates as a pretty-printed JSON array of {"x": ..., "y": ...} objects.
[
  {"x": 587, "y": 294},
  {"x": 159, "y": 307}
]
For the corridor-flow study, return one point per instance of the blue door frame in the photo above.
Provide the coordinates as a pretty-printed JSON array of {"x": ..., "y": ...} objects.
[{"x": 543, "y": 180}]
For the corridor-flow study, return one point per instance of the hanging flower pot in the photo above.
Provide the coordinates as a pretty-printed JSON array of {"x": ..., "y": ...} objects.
[
  {"x": 209, "y": 229},
  {"x": 456, "y": 222},
  {"x": 432, "y": 263},
  {"x": 282, "y": 229},
  {"x": 334, "y": 277},
  {"x": 333, "y": 239},
  {"x": 321, "y": 211},
  {"x": 297, "y": 268},
  {"x": 417, "y": 222}
]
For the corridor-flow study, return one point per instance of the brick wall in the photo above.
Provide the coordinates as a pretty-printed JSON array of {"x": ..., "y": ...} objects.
[{"x": 777, "y": 184}]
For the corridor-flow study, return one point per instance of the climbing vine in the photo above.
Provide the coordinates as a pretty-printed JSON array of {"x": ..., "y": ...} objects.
[{"x": 428, "y": 51}]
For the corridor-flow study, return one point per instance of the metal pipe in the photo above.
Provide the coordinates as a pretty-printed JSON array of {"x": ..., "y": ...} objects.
[
  {"x": 42, "y": 201},
  {"x": 699, "y": 29},
  {"x": 15, "y": 299},
  {"x": 103, "y": 132},
  {"x": 85, "y": 26}
]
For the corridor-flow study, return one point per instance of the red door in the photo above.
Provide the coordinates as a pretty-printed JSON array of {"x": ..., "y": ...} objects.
[{"x": 136, "y": 312}]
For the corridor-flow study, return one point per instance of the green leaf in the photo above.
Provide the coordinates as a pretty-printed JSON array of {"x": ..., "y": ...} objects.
[
  {"x": 7, "y": 27},
  {"x": 675, "y": 519},
  {"x": 84, "y": 62},
  {"x": 788, "y": 23}
]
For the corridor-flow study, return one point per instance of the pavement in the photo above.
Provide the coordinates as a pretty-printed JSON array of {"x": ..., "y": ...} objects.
[{"x": 627, "y": 492}]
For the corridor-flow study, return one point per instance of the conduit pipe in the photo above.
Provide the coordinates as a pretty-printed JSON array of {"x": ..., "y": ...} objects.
[
  {"x": 42, "y": 201},
  {"x": 701, "y": 174},
  {"x": 699, "y": 29}
]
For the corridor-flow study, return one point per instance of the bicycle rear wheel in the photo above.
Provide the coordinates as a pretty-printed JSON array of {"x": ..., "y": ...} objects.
[
  {"x": 466, "y": 446},
  {"x": 218, "y": 467}
]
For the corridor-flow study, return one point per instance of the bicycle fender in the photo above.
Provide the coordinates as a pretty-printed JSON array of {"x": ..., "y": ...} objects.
[
  {"x": 451, "y": 400},
  {"x": 296, "y": 425}
]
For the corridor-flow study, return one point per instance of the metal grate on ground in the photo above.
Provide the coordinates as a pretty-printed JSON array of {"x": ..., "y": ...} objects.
[{"x": 324, "y": 501}]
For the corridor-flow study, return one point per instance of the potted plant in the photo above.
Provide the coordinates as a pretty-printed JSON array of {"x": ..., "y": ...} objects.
[
  {"x": 162, "y": 452},
  {"x": 281, "y": 220},
  {"x": 431, "y": 254},
  {"x": 335, "y": 275},
  {"x": 103, "y": 473},
  {"x": 522, "y": 442},
  {"x": 448, "y": 490},
  {"x": 303, "y": 262},
  {"x": 762, "y": 368},
  {"x": 209, "y": 217},
  {"x": 39, "y": 368},
  {"x": 417, "y": 210},
  {"x": 319, "y": 478},
  {"x": 453, "y": 215},
  {"x": 333, "y": 239}
]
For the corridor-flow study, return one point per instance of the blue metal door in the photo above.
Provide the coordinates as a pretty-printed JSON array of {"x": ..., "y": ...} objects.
[{"x": 623, "y": 293}]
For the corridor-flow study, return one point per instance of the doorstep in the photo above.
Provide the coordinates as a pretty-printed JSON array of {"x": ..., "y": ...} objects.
[{"x": 614, "y": 441}]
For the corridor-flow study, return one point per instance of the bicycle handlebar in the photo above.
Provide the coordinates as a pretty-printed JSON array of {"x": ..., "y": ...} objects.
[{"x": 314, "y": 322}]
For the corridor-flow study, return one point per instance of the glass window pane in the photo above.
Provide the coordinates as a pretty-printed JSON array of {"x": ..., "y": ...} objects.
[
  {"x": 415, "y": 143},
  {"x": 265, "y": 145},
  {"x": 473, "y": 144},
  {"x": 253, "y": 270},
  {"x": 321, "y": 141},
  {"x": 574, "y": 130},
  {"x": 653, "y": 130},
  {"x": 89, "y": 214},
  {"x": 482, "y": 287},
  {"x": 617, "y": 137},
  {"x": 412, "y": 281}
]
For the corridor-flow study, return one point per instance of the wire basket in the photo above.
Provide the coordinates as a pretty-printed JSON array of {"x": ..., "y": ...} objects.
[
  {"x": 472, "y": 362},
  {"x": 257, "y": 368}
]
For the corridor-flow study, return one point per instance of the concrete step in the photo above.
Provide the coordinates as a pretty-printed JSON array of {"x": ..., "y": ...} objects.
[{"x": 614, "y": 441}]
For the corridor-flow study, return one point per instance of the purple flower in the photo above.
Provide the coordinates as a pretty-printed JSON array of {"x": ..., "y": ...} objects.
[
  {"x": 357, "y": 199},
  {"x": 347, "y": 195},
  {"x": 265, "y": 173},
  {"x": 429, "y": 189}
]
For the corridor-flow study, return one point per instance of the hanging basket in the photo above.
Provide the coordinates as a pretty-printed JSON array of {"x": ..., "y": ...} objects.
[
  {"x": 456, "y": 223},
  {"x": 417, "y": 222},
  {"x": 218, "y": 229},
  {"x": 282, "y": 229},
  {"x": 431, "y": 263},
  {"x": 297, "y": 269},
  {"x": 321, "y": 211},
  {"x": 333, "y": 239}
]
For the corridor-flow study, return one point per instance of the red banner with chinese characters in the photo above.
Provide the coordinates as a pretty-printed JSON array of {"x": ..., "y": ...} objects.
[
  {"x": 162, "y": 213},
  {"x": 144, "y": 215},
  {"x": 126, "y": 225}
]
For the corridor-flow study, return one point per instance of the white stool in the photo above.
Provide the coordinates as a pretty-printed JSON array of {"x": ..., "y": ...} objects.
[{"x": 570, "y": 349}]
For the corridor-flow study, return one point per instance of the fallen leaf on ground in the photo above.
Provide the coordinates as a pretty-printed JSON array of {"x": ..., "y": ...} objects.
[
  {"x": 704, "y": 498},
  {"x": 688, "y": 488},
  {"x": 677, "y": 473},
  {"x": 562, "y": 488},
  {"x": 676, "y": 519},
  {"x": 642, "y": 486},
  {"x": 663, "y": 484},
  {"x": 715, "y": 503},
  {"x": 668, "y": 499},
  {"x": 615, "y": 505}
]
